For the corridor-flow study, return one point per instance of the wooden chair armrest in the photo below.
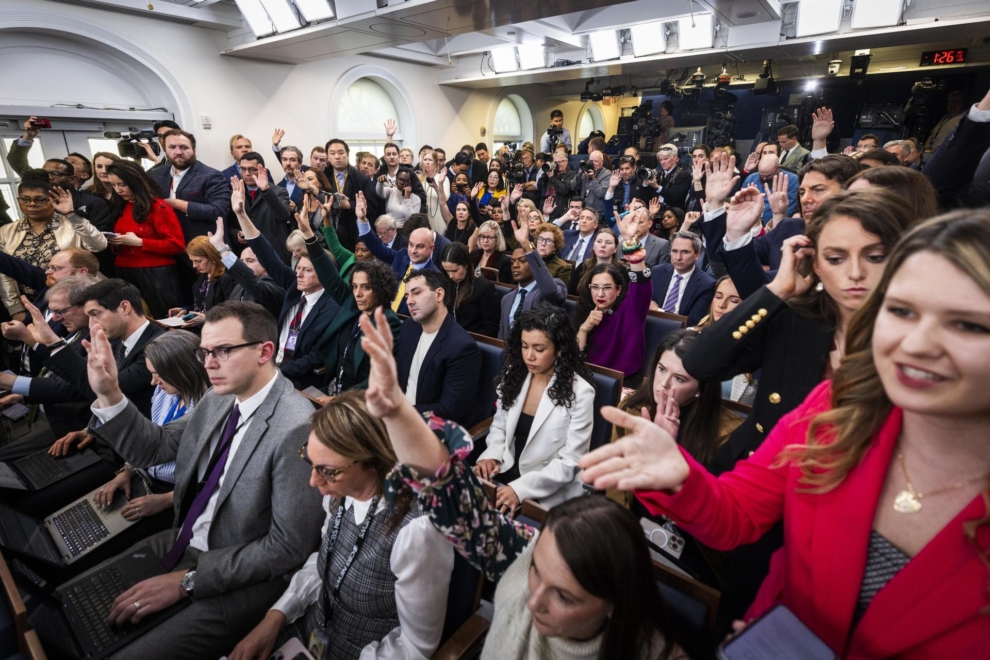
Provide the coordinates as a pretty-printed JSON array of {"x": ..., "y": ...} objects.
[
  {"x": 32, "y": 646},
  {"x": 466, "y": 638},
  {"x": 480, "y": 427}
]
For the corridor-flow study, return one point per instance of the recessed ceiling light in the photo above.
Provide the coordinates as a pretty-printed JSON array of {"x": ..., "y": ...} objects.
[{"x": 747, "y": 14}]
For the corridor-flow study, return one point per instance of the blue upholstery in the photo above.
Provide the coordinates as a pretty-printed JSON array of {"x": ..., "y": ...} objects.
[
  {"x": 656, "y": 329},
  {"x": 608, "y": 390}
]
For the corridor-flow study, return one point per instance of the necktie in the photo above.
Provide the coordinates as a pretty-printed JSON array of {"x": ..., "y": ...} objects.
[
  {"x": 119, "y": 353},
  {"x": 670, "y": 304},
  {"x": 783, "y": 156},
  {"x": 171, "y": 559},
  {"x": 294, "y": 327},
  {"x": 402, "y": 290},
  {"x": 253, "y": 193},
  {"x": 577, "y": 251},
  {"x": 521, "y": 297},
  {"x": 341, "y": 177}
]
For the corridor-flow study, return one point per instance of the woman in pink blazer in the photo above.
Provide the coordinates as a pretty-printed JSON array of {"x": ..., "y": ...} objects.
[{"x": 881, "y": 477}]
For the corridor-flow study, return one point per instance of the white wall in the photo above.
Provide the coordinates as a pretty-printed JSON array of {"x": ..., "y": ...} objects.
[{"x": 96, "y": 56}]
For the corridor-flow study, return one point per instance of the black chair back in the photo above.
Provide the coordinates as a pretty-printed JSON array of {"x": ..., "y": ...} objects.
[
  {"x": 608, "y": 391},
  {"x": 688, "y": 616},
  {"x": 491, "y": 365},
  {"x": 462, "y": 597},
  {"x": 503, "y": 289},
  {"x": 658, "y": 327}
]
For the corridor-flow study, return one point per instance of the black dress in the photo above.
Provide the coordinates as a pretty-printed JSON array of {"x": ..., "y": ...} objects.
[
  {"x": 208, "y": 293},
  {"x": 519, "y": 440},
  {"x": 481, "y": 312}
]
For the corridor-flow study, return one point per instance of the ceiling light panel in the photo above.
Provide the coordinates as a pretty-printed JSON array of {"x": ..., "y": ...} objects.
[
  {"x": 256, "y": 16},
  {"x": 648, "y": 38},
  {"x": 315, "y": 10},
  {"x": 876, "y": 13},
  {"x": 696, "y": 32},
  {"x": 818, "y": 17},
  {"x": 282, "y": 14},
  {"x": 532, "y": 56},
  {"x": 504, "y": 59},
  {"x": 605, "y": 45}
]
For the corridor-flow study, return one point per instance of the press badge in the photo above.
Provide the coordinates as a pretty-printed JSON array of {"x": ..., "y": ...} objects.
[
  {"x": 290, "y": 341},
  {"x": 317, "y": 642}
]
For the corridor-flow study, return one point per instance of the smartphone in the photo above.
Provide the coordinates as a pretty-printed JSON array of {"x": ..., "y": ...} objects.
[
  {"x": 42, "y": 123},
  {"x": 777, "y": 635},
  {"x": 189, "y": 317},
  {"x": 16, "y": 411},
  {"x": 109, "y": 233},
  {"x": 430, "y": 180}
]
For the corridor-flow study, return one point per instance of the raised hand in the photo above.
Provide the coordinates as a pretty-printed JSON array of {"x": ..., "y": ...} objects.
[
  {"x": 628, "y": 227},
  {"x": 62, "y": 200},
  {"x": 475, "y": 190},
  {"x": 304, "y": 226},
  {"x": 655, "y": 206},
  {"x": 720, "y": 179},
  {"x": 360, "y": 206},
  {"x": 549, "y": 205},
  {"x": 390, "y": 129},
  {"x": 752, "y": 162},
  {"x": 262, "y": 179},
  {"x": 668, "y": 416},
  {"x": 504, "y": 203},
  {"x": 39, "y": 329},
  {"x": 216, "y": 237},
  {"x": 789, "y": 281},
  {"x": 237, "y": 194},
  {"x": 697, "y": 172},
  {"x": 516, "y": 194},
  {"x": 383, "y": 396},
  {"x": 277, "y": 136},
  {"x": 849, "y": 151},
  {"x": 745, "y": 212},
  {"x": 614, "y": 180},
  {"x": 689, "y": 219},
  {"x": 646, "y": 458},
  {"x": 522, "y": 235},
  {"x": 777, "y": 195},
  {"x": 822, "y": 127},
  {"x": 102, "y": 368},
  {"x": 30, "y": 130}
]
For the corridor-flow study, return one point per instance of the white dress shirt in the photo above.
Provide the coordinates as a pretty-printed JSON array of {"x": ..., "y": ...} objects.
[
  {"x": 201, "y": 528},
  {"x": 283, "y": 335},
  {"x": 680, "y": 292},
  {"x": 421, "y": 560},
  {"x": 176, "y": 180},
  {"x": 130, "y": 341},
  {"x": 422, "y": 348}
]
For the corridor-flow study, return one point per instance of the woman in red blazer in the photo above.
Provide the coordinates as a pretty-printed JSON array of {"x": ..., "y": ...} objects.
[{"x": 881, "y": 477}]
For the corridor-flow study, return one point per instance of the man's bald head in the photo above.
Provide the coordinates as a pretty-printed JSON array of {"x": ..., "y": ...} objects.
[
  {"x": 769, "y": 165},
  {"x": 597, "y": 159},
  {"x": 420, "y": 245}
]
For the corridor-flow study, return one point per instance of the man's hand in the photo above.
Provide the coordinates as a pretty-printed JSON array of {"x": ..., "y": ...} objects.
[
  {"x": 237, "y": 195},
  {"x": 745, "y": 213},
  {"x": 16, "y": 331},
  {"x": 516, "y": 194},
  {"x": 522, "y": 236},
  {"x": 360, "y": 206},
  {"x": 849, "y": 151},
  {"x": 40, "y": 330},
  {"x": 506, "y": 501},
  {"x": 277, "y": 136},
  {"x": 613, "y": 180},
  {"x": 10, "y": 400},
  {"x": 390, "y": 129},
  {"x": 697, "y": 172},
  {"x": 719, "y": 179},
  {"x": 752, "y": 162},
  {"x": 217, "y": 237},
  {"x": 149, "y": 152},
  {"x": 62, "y": 200},
  {"x": 549, "y": 206},
  {"x": 79, "y": 439},
  {"x": 145, "y": 598},
  {"x": 103, "y": 497},
  {"x": 304, "y": 227},
  {"x": 260, "y": 642},
  {"x": 777, "y": 196},
  {"x": 180, "y": 205},
  {"x": 654, "y": 207},
  {"x": 487, "y": 468},
  {"x": 30, "y": 131},
  {"x": 146, "y": 506},
  {"x": 822, "y": 127},
  {"x": 102, "y": 368},
  {"x": 262, "y": 179}
]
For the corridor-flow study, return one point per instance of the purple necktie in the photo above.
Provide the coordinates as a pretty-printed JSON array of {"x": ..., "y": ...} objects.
[
  {"x": 170, "y": 560},
  {"x": 670, "y": 305}
]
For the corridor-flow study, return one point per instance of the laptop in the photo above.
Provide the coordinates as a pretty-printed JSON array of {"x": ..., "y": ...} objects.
[
  {"x": 70, "y": 533},
  {"x": 36, "y": 471},
  {"x": 87, "y": 599}
]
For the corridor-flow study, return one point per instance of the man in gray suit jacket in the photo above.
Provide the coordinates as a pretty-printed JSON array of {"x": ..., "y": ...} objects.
[
  {"x": 535, "y": 283},
  {"x": 244, "y": 516}
]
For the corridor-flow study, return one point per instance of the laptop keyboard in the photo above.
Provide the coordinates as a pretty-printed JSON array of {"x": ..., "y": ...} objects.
[
  {"x": 91, "y": 600},
  {"x": 41, "y": 468},
  {"x": 80, "y": 527}
]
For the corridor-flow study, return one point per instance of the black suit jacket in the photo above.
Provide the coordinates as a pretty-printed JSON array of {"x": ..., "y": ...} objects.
[
  {"x": 674, "y": 186},
  {"x": 297, "y": 193},
  {"x": 207, "y": 192},
  {"x": 951, "y": 167},
  {"x": 400, "y": 242},
  {"x": 481, "y": 312},
  {"x": 789, "y": 349},
  {"x": 93, "y": 208},
  {"x": 132, "y": 372},
  {"x": 346, "y": 221},
  {"x": 251, "y": 288},
  {"x": 270, "y": 213},
  {"x": 66, "y": 408},
  {"x": 448, "y": 378},
  {"x": 698, "y": 293},
  {"x": 571, "y": 237}
]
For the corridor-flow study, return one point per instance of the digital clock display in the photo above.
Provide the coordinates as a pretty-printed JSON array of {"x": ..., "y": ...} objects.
[{"x": 939, "y": 57}]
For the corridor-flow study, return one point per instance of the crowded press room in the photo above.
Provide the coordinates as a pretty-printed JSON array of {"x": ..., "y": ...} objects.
[{"x": 498, "y": 329}]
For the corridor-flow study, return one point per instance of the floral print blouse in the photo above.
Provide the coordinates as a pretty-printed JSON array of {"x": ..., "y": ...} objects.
[{"x": 459, "y": 508}]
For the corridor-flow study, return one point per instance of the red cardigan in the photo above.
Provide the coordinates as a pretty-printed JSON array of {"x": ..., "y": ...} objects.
[
  {"x": 930, "y": 609},
  {"x": 161, "y": 234}
]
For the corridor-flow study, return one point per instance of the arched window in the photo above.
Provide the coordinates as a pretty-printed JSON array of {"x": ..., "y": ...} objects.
[
  {"x": 361, "y": 116},
  {"x": 591, "y": 120},
  {"x": 513, "y": 121}
]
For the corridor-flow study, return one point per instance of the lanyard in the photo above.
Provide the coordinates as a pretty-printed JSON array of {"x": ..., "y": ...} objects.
[
  {"x": 350, "y": 558},
  {"x": 347, "y": 349},
  {"x": 174, "y": 412}
]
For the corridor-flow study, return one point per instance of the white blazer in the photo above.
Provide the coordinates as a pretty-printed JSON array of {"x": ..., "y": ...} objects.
[{"x": 557, "y": 440}]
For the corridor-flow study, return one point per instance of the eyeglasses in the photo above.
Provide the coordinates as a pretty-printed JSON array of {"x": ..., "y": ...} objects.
[
  {"x": 250, "y": 170},
  {"x": 542, "y": 240},
  {"x": 221, "y": 353},
  {"x": 33, "y": 201},
  {"x": 60, "y": 312},
  {"x": 608, "y": 288},
  {"x": 485, "y": 237},
  {"x": 328, "y": 474}
]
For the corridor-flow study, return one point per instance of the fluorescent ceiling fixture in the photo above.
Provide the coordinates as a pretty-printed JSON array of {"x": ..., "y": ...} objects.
[
  {"x": 532, "y": 56},
  {"x": 256, "y": 16},
  {"x": 605, "y": 45},
  {"x": 818, "y": 17},
  {"x": 648, "y": 38},
  {"x": 699, "y": 35},
  {"x": 504, "y": 59},
  {"x": 876, "y": 13},
  {"x": 285, "y": 19},
  {"x": 315, "y": 10}
]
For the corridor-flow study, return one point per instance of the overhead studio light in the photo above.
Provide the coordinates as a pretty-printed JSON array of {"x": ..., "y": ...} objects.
[
  {"x": 876, "y": 13},
  {"x": 285, "y": 19},
  {"x": 818, "y": 17},
  {"x": 532, "y": 56},
  {"x": 605, "y": 45},
  {"x": 648, "y": 38},
  {"x": 315, "y": 10},
  {"x": 504, "y": 59},
  {"x": 696, "y": 32},
  {"x": 256, "y": 16}
]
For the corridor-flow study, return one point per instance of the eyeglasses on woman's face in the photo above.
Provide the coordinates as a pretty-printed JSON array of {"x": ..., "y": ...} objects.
[
  {"x": 327, "y": 473},
  {"x": 596, "y": 288}
]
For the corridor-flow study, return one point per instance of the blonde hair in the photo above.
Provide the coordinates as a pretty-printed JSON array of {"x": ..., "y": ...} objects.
[
  {"x": 491, "y": 225},
  {"x": 296, "y": 240},
  {"x": 200, "y": 246},
  {"x": 235, "y": 138}
]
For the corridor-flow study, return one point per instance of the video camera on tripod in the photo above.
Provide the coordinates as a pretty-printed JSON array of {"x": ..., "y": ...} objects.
[{"x": 127, "y": 142}]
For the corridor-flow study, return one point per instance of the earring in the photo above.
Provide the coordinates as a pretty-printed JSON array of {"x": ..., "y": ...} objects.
[
  {"x": 819, "y": 287},
  {"x": 697, "y": 394}
]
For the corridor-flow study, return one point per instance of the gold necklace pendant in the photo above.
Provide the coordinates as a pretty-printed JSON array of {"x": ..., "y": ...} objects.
[{"x": 907, "y": 502}]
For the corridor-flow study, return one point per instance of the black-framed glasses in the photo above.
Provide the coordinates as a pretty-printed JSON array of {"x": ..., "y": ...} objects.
[
  {"x": 221, "y": 353},
  {"x": 33, "y": 201},
  {"x": 328, "y": 474},
  {"x": 60, "y": 312}
]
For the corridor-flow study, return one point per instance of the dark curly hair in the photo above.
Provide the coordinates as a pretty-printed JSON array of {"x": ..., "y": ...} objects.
[
  {"x": 381, "y": 278},
  {"x": 35, "y": 179},
  {"x": 551, "y": 321},
  {"x": 585, "y": 304}
]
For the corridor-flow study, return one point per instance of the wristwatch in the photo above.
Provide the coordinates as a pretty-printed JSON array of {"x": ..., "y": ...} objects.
[
  {"x": 225, "y": 248},
  {"x": 58, "y": 344},
  {"x": 188, "y": 583}
]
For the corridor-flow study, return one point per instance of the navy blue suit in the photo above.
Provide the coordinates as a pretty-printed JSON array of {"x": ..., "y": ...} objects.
[
  {"x": 571, "y": 237},
  {"x": 296, "y": 195},
  {"x": 447, "y": 383},
  {"x": 397, "y": 259},
  {"x": 207, "y": 192},
  {"x": 317, "y": 319},
  {"x": 33, "y": 277},
  {"x": 233, "y": 171},
  {"x": 698, "y": 292}
]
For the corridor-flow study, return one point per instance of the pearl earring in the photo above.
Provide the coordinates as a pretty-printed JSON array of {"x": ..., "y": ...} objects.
[{"x": 819, "y": 287}]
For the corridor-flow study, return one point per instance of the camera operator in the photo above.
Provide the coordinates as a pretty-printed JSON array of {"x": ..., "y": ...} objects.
[
  {"x": 532, "y": 171},
  {"x": 585, "y": 144},
  {"x": 633, "y": 152},
  {"x": 160, "y": 128},
  {"x": 556, "y": 134},
  {"x": 673, "y": 180},
  {"x": 624, "y": 186},
  {"x": 592, "y": 181},
  {"x": 558, "y": 185}
]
